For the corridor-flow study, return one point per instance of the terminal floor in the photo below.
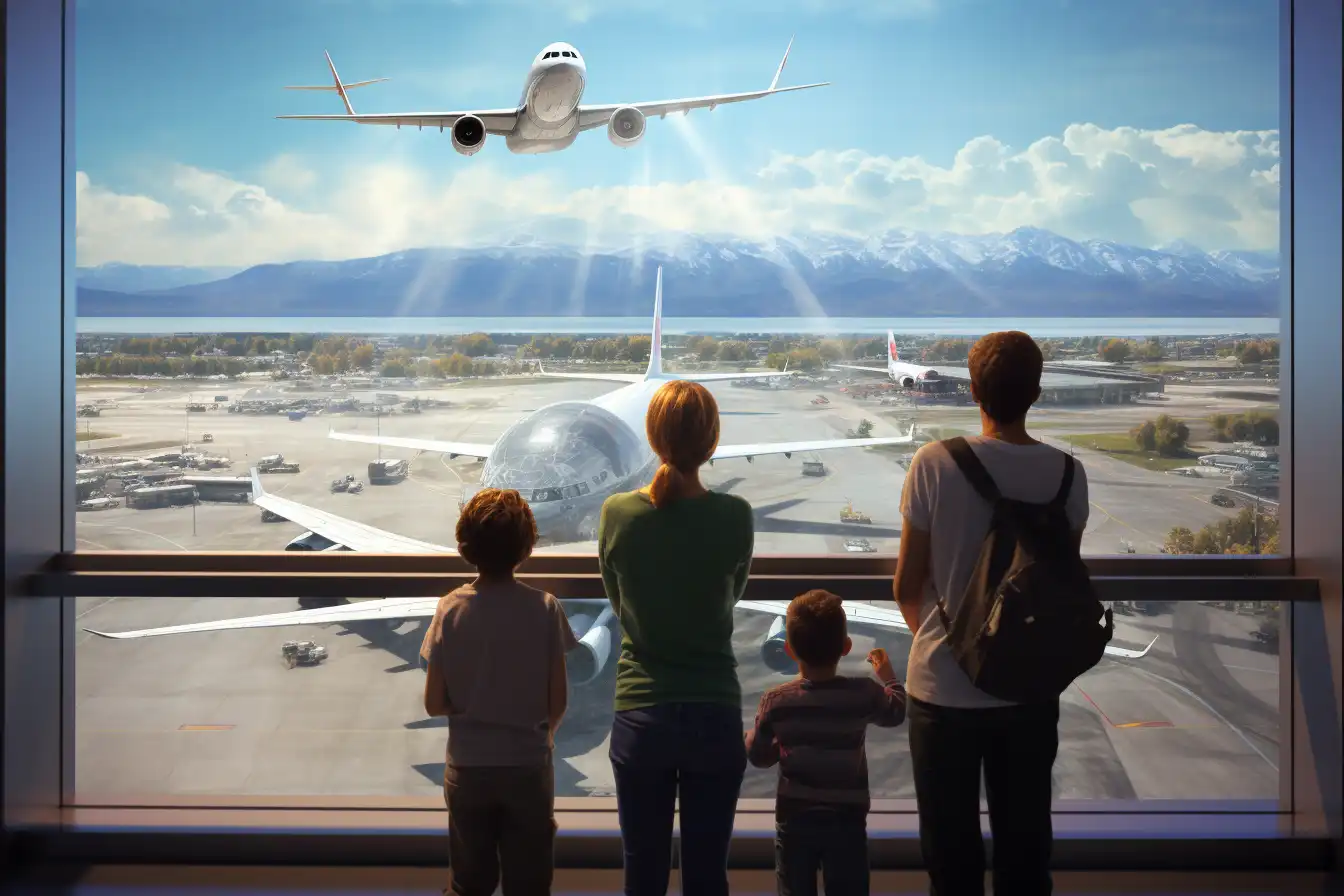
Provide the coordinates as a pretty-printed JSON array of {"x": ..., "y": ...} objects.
[{"x": 284, "y": 881}]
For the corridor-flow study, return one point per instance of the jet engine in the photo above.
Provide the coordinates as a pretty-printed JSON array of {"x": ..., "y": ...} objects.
[
  {"x": 586, "y": 662},
  {"x": 626, "y": 126},
  {"x": 311, "y": 541},
  {"x": 907, "y": 382},
  {"x": 773, "y": 654},
  {"x": 468, "y": 135}
]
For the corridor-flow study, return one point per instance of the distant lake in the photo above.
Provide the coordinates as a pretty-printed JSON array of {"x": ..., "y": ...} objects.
[{"x": 932, "y": 326}]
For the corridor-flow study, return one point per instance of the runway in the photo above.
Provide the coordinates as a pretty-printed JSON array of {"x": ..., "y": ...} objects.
[{"x": 217, "y": 715}]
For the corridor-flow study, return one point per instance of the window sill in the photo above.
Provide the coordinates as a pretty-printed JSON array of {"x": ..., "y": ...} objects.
[{"x": 1163, "y": 840}]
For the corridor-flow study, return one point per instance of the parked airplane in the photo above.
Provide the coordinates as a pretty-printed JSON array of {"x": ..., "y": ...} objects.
[
  {"x": 567, "y": 457},
  {"x": 900, "y": 371},
  {"x": 548, "y": 116}
]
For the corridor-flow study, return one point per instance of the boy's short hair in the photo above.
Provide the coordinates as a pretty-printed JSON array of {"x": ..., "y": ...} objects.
[
  {"x": 496, "y": 530},
  {"x": 816, "y": 629},
  {"x": 1006, "y": 374}
]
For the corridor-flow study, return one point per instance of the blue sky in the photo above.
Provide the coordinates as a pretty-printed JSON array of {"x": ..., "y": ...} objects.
[{"x": 163, "y": 84}]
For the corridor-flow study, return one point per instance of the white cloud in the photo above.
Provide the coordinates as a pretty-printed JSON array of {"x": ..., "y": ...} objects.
[{"x": 1213, "y": 189}]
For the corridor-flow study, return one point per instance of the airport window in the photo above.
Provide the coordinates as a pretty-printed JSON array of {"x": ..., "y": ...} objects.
[
  {"x": 200, "y": 356},
  {"x": 251, "y": 377},
  {"x": 1197, "y": 719}
]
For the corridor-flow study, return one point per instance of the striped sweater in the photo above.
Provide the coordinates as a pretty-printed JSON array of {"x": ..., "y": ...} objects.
[{"x": 814, "y": 731}]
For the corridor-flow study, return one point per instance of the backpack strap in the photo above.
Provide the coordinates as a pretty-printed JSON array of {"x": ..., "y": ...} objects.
[
  {"x": 1062, "y": 496},
  {"x": 973, "y": 470}
]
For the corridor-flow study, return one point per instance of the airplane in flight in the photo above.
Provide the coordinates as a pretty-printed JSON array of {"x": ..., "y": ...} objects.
[
  {"x": 901, "y": 372},
  {"x": 565, "y": 458},
  {"x": 548, "y": 116}
]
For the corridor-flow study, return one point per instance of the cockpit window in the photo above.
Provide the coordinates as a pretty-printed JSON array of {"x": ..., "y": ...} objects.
[
  {"x": 554, "y": 453},
  {"x": 565, "y": 53}
]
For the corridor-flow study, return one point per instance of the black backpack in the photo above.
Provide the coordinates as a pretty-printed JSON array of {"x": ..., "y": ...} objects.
[{"x": 1029, "y": 622}]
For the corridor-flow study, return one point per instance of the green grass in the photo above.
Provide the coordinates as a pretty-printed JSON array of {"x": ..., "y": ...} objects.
[
  {"x": 1158, "y": 369},
  {"x": 91, "y": 435},
  {"x": 1120, "y": 445}
]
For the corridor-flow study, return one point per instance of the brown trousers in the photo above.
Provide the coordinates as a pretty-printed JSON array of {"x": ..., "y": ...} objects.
[{"x": 501, "y": 829}]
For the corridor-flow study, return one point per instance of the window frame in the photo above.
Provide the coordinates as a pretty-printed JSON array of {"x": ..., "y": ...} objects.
[{"x": 44, "y": 575}]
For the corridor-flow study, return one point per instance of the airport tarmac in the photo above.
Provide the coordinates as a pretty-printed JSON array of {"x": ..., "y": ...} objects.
[
  {"x": 795, "y": 513},
  {"x": 213, "y": 715},
  {"x": 219, "y": 714}
]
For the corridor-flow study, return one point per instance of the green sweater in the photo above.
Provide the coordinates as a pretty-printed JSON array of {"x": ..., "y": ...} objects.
[{"x": 672, "y": 576}]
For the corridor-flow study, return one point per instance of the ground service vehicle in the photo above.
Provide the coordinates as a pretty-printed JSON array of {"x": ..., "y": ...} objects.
[
  {"x": 849, "y": 515},
  {"x": 814, "y": 468},
  {"x": 388, "y": 472},
  {"x": 268, "y": 516},
  {"x": 302, "y": 653},
  {"x": 339, "y": 485},
  {"x": 859, "y": 546}
]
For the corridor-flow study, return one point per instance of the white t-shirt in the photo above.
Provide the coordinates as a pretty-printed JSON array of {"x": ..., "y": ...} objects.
[{"x": 938, "y": 499}]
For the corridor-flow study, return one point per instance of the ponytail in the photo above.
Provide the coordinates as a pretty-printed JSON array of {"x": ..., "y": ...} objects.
[
  {"x": 683, "y": 429},
  {"x": 666, "y": 484}
]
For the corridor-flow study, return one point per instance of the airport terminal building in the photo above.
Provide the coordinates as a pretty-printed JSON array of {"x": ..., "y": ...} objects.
[{"x": 1069, "y": 383}]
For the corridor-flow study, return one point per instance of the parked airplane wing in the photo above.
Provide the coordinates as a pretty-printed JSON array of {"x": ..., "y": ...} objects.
[
  {"x": 479, "y": 450},
  {"x": 890, "y": 617},
  {"x": 391, "y": 608},
  {"x": 763, "y": 448},
  {"x": 350, "y": 534},
  {"x": 857, "y": 367}
]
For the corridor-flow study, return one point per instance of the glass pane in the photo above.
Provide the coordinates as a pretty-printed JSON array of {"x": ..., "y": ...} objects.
[
  {"x": 186, "y": 716},
  {"x": 247, "y": 284}
]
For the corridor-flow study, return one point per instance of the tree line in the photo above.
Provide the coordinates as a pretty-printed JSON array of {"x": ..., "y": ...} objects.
[{"x": 1251, "y": 531}]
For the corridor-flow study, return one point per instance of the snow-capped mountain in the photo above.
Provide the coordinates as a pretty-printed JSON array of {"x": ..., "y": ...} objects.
[
  {"x": 140, "y": 278},
  {"x": 1029, "y": 271}
]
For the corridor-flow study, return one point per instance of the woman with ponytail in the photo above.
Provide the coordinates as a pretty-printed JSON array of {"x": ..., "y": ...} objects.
[{"x": 674, "y": 559}]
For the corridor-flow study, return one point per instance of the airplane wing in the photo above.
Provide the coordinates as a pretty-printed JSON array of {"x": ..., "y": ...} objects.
[
  {"x": 714, "y": 377},
  {"x": 497, "y": 121},
  {"x": 640, "y": 377},
  {"x": 597, "y": 116},
  {"x": 478, "y": 450},
  {"x": 787, "y": 448},
  {"x": 390, "y": 608},
  {"x": 857, "y": 367},
  {"x": 353, "y": 535},
  {"x": 600, "y": 377},
  {"x": 890, "y": 618}
]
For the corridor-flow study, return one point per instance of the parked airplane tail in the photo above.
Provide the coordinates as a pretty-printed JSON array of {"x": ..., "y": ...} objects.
[
  {"x": 893, "y": 354},
  {"x": 656, "y": 340},
  {"x": 338, "y": 86}
]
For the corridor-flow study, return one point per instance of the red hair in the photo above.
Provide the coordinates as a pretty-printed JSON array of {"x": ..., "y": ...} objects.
[{"x": 683, "y": 430}]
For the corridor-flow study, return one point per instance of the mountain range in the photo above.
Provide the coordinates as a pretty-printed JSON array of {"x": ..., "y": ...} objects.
[{"x": 1029, "y": 272}]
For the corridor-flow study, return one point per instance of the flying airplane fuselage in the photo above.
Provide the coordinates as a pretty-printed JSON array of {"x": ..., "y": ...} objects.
[{"x": 550, "y": 101}]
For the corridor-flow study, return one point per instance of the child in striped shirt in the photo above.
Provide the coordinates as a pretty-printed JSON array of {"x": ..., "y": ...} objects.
[{"x": 813, "y": 728}]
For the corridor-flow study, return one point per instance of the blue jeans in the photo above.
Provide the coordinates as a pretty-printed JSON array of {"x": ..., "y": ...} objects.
[{"x": 693, "y": 751}]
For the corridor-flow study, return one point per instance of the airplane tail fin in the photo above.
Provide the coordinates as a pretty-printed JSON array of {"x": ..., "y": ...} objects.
[
  {"x": 338, "y": 86},
  {"x": 893, "y": 354},
  {"x": 257, "y": 489},
  {"x": 779, "y": 71},
  {"x": 656, "y": 340}
]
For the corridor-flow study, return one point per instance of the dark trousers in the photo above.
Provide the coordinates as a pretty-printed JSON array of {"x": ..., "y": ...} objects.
[
  {"x": 830, "y": 841},
  {"x": 688, "y": 751},
  {"x": 1016, "y": 746},
  {"x": 500, "y": 818}
]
